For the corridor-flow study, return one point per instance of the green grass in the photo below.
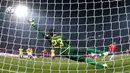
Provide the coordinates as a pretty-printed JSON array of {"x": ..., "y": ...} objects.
[{"x": 16, "y": 65}]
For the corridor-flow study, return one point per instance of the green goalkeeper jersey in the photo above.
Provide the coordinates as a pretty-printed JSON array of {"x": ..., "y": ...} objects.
[{"x": 59, "y": 43}]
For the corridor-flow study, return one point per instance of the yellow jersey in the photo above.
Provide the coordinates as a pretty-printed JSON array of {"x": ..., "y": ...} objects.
[
  {"x": 29, "y": 50},
  {"x": 20, "y": 49},
  {"x": 52, "y": 51}
]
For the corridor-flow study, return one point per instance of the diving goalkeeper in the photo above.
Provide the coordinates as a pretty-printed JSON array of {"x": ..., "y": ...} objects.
[{"x": 65, "y": 48}]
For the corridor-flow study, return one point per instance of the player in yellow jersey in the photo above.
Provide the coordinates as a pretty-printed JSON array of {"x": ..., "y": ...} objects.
[
  {"x": 29, "y": 52},
  {"x": 52, "y": 53},
  {"x": 21, "y": 52}
]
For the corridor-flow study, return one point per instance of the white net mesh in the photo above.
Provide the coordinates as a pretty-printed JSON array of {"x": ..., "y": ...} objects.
[{"x": 84, "y": 23}]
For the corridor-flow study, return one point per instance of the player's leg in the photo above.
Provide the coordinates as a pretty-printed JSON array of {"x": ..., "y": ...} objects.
[
  {"x": 43, "y": 55},
  {"x": 73, "y": 55},
  {"x": 53, "y": 56},
  {"x": 85, "y": 50},
  {"x": 95, "y": 63},
  {"x": 112, "y": 56},
  {"x": 28, "y": 55},
  {"x": 20, "y": 55},
  {"x": 97, "y": 51},
  {"x": 31, "y": 55},
  {"x": 83, "y": 59}
]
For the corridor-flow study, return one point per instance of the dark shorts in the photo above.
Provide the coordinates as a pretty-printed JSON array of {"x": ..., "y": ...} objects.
[
  {"x": 45, "y": 55},
  {"x": 111, "y": 53}
]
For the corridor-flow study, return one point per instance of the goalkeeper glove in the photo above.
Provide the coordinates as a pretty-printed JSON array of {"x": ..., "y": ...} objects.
[
  {"x": 31, "y": 21},
  {"x": 105, "y": 65},
  {"x": 105, "y": 53}
]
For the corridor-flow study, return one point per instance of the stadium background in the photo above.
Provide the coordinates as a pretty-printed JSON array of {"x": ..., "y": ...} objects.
[{"x": 86, "y": 24}]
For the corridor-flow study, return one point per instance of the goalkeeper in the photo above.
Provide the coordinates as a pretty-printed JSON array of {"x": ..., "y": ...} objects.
[{"x": 65, "y": 48}]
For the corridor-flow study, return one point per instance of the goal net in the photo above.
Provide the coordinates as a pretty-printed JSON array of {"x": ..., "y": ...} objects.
[{"x": 84, "y": 25}]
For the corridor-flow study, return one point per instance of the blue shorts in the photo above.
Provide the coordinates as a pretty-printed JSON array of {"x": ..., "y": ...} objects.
[{"x": 111, "y": 53}]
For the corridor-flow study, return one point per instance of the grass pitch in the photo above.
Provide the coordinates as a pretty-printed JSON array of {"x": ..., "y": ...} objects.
[{"x": 63, "y": 65}]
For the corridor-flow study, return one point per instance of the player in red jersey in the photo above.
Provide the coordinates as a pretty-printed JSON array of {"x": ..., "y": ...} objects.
[
  {"x": 112, "y": 50},
  {"x": 112, "y": 47},
  {"x": 127, "y": 51},
  {"x": 45, "y": 53}
]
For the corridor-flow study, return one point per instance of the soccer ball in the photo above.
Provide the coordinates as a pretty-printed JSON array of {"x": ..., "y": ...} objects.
[{"x": 10, "y": 10}]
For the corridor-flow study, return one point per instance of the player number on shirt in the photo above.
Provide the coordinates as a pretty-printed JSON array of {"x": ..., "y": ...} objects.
[{"x": 54, "y": 43}]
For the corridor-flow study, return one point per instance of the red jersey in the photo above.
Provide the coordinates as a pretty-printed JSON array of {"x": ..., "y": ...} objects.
[
  {"x": 127, "y": 51},
  {"x": 44, "y": 52},
  {"x": 112, "y": 47}
]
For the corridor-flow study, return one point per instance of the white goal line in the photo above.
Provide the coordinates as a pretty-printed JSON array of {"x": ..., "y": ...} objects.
[{"x": 14, "y": 55}]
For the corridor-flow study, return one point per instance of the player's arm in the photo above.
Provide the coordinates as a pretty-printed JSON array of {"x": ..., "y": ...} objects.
[{"x": 31, "y": 21}]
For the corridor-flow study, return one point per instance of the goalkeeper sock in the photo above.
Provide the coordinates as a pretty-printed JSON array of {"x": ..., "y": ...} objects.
[{"x": 111, "y": 58}]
